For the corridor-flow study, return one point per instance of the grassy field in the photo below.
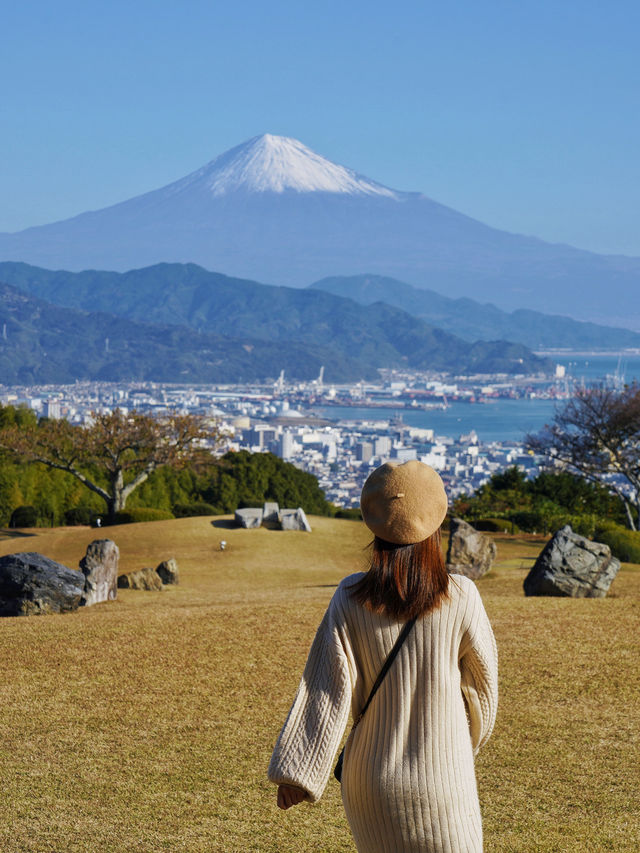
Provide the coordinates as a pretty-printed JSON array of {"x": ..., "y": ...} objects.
[{"x": 146, "y": 724}]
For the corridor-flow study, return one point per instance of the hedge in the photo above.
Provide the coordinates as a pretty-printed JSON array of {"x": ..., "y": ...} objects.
[
  {"x": 141, "y": 513},
  {"x": 191, "y": 510},
  {"x": 79, "y": 515},
  {"x": 352, "y": 513},
  {"x": 624, "y": 543},
  {"x": 24, "y": 516},
  {"x": 495, "y": 525}
]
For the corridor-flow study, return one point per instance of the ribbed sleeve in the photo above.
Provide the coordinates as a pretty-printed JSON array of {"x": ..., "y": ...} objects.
[
  {"x": 305, "y": 751},
  {"x": 479, "y": 670}
]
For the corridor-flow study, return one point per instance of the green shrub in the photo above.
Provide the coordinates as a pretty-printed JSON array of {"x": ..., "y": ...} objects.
[
  {"x": 141, "y": 513},
  {"x": 352, "y": 513},
  {"x": 24, "y": 516},
  {"x": 624, "y": 543},
  {"x": 190, "y": 510},
  {"x": 584, "y": 525},
  {"x": 79, "y": 515},
  {"x": 495, "y": 525},
  {"x": 529, "y": 521}
]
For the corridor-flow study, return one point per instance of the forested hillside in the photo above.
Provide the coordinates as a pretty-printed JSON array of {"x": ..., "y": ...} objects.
[
  {"x": 352, "y": 340},
  {"x": 214, "y": 488}
]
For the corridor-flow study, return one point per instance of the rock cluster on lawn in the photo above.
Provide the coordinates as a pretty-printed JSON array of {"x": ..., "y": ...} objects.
[
  {"x": 294, "y": 519},
  {"x": 32, "y": 584},
  {"x": 147, "y": 579},
  {"x": 271, "y": 512},
  {"x": 249, "y": 517},
  {"x": 100, "y": 568},
  {"x": 168, "y": 572},
  {"x": 571, "y": 565},
  {"x": 470, "y": 552},
  {"x": 271, "y": 515}
]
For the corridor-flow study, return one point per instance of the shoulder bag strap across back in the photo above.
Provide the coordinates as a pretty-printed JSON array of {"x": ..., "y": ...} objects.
[{"x": 385, "y": 669}]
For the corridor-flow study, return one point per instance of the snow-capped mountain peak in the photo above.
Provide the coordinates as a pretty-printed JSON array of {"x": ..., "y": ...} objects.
[{"x": 277, "y": 164}]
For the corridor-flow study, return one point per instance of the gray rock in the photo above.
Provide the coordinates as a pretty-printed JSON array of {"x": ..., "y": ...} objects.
[
  {"x": 168, "y": 571},
  {"x": 248, "y": 517},
  {"x": 31, "y": 584},
  {"x": 470, "y": 552},
  {"x": 571, "y": 565},
  {"x": 147, "y": 579},
  {"x": 271, "y": 511},
  {"x": 100, "y": 568},
  {"x": 294, "y": 519}
]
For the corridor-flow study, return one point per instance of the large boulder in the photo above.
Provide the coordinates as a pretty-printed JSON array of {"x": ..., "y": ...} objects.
[
  {"x": 168, "y": 571},
  {"x": 470, "y": 552},
  {"x": 271, "y": 511},
  {"x": 249, "y": 517},
  {"x": 147, "y": 579},
  {"x": 294, "y": 519},
  {"x": 100, "y": 568},
  {"x": 31, "y": 584},
  {"x": 571, "y": 565}
]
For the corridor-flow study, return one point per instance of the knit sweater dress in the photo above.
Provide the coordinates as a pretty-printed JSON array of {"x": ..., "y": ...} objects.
[{"x": 408, "y": 782}]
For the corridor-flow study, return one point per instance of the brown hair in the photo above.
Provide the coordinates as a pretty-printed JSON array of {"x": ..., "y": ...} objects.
[{"x": 404, "y": 581}]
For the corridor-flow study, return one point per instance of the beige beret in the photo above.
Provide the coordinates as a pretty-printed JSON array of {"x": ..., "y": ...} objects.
[{"x": 404, "y": 503}]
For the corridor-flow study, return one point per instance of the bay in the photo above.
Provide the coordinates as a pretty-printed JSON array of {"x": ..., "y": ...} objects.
[
  {"x": 589, "y": 367},
  {"x": 502, "y": 419},
  {"x": 499, "y": 420}
]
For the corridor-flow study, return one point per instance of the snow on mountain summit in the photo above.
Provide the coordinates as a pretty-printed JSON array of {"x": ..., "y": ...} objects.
[{"x": 278, "y": 163}]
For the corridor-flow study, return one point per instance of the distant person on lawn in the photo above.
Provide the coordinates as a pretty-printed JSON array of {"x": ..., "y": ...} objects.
[{"x": 408, "y": 782}]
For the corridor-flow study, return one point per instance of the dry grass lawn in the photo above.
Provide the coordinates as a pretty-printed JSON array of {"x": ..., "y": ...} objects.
[{"x": 146, "y": 724}]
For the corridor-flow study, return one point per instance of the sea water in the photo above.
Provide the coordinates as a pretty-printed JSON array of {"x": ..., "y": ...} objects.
[
  {"x": 501, "y": 419},
  {"x": 599, "y": 368},
  {"x": 498, "y": 420}
]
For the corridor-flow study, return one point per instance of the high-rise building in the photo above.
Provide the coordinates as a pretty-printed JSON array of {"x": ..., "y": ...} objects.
[
  {"x": 52, "y": 409},
  {"x": 382, "y": 446},
  {"x": 364, "y": 451},
  {"x": 285, "y": 445}
]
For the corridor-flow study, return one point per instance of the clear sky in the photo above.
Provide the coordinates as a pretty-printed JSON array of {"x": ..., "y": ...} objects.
[{"x": 523, "y": 114}]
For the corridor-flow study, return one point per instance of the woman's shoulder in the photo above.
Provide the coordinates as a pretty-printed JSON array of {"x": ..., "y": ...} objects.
[
  {"x": 462, "y": 587},
  {"x": 346, "y": 584},
  {"x": 351, "y": 580},
  {"x": 342, "y": 596}
]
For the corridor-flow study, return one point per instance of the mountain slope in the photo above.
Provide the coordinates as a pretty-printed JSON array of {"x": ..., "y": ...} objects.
[
  {"x": 357, "y": 337},
  {"x": 474, "y": 321},
  {"x": 275, "y": 164},
  {"x": 273, "y": 210},
  {"x": 43, "y": 343}
]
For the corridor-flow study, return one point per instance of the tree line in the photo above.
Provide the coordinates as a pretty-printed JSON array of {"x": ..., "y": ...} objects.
[
  {"x": 510, "y": 501},
  {"x": 128, "y": 460},
  {"x": 122, "y": 463}
]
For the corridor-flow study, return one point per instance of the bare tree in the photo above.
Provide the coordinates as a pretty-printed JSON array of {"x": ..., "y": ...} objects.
[
  {"x": 597, "y": 434},
  {"x": 115, "y": 453}
]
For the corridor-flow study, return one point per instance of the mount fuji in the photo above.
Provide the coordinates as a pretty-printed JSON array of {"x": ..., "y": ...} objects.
[{"x": 273, "y": 210}]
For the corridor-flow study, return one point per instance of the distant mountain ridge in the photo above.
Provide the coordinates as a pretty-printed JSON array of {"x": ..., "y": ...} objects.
[
  {"x": 273, "y": 210},
  {"x": 474, "y": 320},
  {"x": 46, "y": 344},
  {"x": 355, "y": 340}
]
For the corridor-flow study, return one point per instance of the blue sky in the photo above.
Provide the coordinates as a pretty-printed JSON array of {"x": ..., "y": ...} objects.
[{"x": 525, "y": 115}]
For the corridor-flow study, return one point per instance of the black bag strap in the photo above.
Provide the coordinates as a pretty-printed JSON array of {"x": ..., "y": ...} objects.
[{"x": 385, "y": 667}]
